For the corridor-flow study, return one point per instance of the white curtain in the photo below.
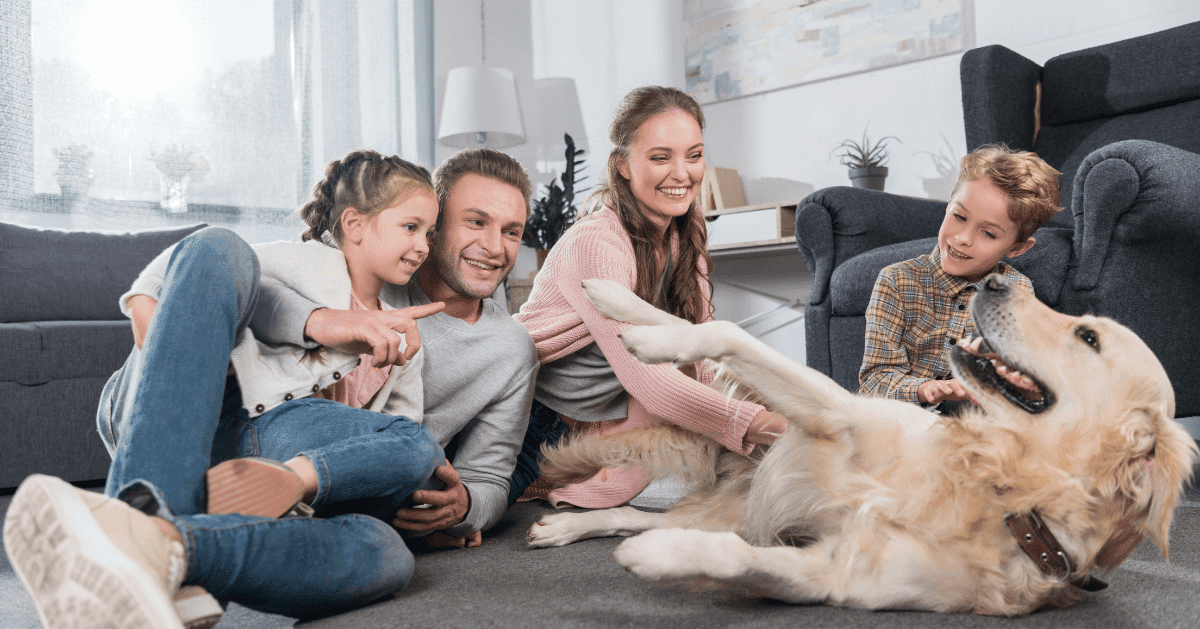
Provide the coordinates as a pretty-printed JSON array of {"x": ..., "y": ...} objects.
[{"x": 126, "y": 114}]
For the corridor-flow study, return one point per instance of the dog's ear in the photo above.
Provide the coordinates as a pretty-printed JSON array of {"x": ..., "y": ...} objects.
[{"x": 1157, "y": 460}]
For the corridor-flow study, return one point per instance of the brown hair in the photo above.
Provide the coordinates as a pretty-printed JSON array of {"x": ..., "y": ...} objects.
[
  {"x": 678, "y": 294},
  {"x": 1030, "y": 183},
  {"x": 363, "y": 180},
  {"x": 483, "y": 162}
]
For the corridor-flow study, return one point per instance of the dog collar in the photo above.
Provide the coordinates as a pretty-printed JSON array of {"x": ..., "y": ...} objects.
[{"x": 1035, "y": 538}]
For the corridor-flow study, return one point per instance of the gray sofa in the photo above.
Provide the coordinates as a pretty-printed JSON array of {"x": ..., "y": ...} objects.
[
  {"x": 1120, "y": 122},
  {"x": 61, "y": 336}
]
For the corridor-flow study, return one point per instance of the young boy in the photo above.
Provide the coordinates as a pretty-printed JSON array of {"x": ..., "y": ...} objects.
[{"x": 1001, "y": 197}]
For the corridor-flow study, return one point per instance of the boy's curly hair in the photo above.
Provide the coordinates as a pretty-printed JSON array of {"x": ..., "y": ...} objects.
[{"x": 1030, "y": 183}]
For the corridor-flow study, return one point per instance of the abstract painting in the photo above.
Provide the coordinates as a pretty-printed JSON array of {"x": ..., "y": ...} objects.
[{"x": 736, "y": 48}]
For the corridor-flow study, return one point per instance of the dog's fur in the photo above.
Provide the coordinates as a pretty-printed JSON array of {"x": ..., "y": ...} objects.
[{"x": 876, "y": 503}]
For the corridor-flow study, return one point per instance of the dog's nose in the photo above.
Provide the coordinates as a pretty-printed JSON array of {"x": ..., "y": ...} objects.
[{"x": 996, "y": 283}]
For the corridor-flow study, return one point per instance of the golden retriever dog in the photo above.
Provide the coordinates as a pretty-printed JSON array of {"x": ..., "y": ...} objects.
[{"x": 1070, "y": 460}]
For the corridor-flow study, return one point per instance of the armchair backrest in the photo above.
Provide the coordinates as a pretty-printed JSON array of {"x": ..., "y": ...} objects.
[{"x": 1145, "y": 88}]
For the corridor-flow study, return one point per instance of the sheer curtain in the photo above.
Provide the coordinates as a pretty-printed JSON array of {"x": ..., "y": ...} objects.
[{"x": 140, "y": 113}]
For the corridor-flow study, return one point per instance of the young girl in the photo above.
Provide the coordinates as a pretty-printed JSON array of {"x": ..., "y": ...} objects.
[
  {"x": 648, "y": 233},
  {"x": 199, "y": 390}
]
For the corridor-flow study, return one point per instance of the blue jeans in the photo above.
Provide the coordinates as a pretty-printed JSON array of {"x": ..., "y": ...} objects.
[
  {"x": 544, "y": 428},
  {"x": 173, "y": 410}
]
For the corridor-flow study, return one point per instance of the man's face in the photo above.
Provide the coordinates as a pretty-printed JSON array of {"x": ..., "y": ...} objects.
[{"x": 476, "y": 244}]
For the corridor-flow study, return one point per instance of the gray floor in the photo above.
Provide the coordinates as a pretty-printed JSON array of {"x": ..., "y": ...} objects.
[{"x": 506, "y": 584}]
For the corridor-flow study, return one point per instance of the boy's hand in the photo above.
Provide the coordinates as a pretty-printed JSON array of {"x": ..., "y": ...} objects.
[
  {"x": 934, "y": 391},
  {"x": 375, "y": 332}
]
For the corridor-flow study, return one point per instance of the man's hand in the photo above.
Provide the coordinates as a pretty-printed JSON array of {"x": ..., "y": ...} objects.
[
  {"x": 375, "y": 332},
  {"x": 447, "y": 507},
  {"x": 934, "y": 391},
  {"x": 141, "y": 309}
]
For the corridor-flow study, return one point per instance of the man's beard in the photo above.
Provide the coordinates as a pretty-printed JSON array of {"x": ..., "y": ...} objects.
[{"x": 447, "y": 267}]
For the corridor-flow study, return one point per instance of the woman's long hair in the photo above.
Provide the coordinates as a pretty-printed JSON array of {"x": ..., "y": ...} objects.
[{"x": 679, "y": 292}]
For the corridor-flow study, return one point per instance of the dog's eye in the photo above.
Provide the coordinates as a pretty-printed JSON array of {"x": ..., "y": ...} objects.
[{"x": 1087, "y": 335}]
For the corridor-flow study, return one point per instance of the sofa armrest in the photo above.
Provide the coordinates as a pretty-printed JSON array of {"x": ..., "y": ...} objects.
[
  {"x": 836, "y": 224},
  {"x": 1135, "y": 194},
  {"x": 999, "y": 96}
]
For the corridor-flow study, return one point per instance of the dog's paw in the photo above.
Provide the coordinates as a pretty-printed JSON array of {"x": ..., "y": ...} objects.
[
  {"x": 683, "y": 555},
  {"x": 556, "y": 529}
]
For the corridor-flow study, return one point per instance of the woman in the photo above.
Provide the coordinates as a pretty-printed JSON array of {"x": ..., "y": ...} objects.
[{"x": 647, "y": 233}]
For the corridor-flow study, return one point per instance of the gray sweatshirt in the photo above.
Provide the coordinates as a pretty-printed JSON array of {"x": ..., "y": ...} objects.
[{"x": 478, "y": 385}]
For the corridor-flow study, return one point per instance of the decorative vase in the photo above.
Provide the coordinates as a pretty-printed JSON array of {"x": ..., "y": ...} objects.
[
  {"x": 870, "y": 178},
  {"x": 173, "y": 193}
]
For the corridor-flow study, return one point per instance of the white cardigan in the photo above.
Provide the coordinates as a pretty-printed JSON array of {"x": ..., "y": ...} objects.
[{"x": 270, "y": 375}]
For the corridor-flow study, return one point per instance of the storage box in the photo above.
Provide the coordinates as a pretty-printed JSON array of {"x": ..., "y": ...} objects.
[{"x": 748, "y": 226}]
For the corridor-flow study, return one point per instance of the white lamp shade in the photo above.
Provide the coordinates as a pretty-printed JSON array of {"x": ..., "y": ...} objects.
[
  {"x": 480, "y": 100},
  {"x": 557, "y": 112}
]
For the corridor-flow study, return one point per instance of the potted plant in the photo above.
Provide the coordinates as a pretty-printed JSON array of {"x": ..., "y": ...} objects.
[
  {"x": 555, "y": 212},
  {"x": 866, "y": 161},
  {"x": 176, "y": 167},
  {"x": 74, "y": 173}
]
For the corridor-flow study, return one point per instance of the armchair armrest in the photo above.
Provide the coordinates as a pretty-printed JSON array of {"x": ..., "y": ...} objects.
[
  {"x": 999, "y": 96},
  {"x": 836, "y": 224},
  {"x": 1135, "y": 194}
]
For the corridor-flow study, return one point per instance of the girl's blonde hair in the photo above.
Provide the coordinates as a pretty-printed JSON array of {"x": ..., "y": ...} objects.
[
  {"x": 678, "y": 292},
  {"x": 1029, "y": 182},
  {"x": 363, "y": 180}
]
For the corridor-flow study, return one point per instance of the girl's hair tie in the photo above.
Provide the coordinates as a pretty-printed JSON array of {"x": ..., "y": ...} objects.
[{"x": 327, "y": 238}]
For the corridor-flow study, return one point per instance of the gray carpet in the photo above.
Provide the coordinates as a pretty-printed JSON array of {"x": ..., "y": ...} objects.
[{"x": 506, "y": 584}]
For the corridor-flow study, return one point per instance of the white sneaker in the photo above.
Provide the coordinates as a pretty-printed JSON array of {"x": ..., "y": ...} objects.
[
  {"x": 197, "y": 609},
  {"x": 90, "y": 560}
]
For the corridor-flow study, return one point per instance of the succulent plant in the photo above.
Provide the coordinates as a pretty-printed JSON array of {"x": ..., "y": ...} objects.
[{"x": 864, "y": 154}]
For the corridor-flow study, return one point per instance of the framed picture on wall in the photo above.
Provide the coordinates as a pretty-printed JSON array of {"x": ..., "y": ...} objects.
[{"x": 735, "y": 48}]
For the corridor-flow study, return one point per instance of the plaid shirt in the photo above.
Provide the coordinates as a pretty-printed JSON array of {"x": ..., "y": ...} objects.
[{"x": 915, "y": 307}]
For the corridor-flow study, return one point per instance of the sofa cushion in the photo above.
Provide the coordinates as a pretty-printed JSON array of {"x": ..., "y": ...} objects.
[
  {"x": 36, "y": 353},
  {"x": 1126, "y": 76},
  {"x": 48, "y": 275}
]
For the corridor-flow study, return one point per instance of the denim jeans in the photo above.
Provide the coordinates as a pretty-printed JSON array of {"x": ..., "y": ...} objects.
[
  {"x": 173, "y": 410},
  {"x": 544, "y": 428}
]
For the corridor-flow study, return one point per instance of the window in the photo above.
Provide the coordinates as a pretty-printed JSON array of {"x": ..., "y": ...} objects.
[{"x": 143, "y": 113}]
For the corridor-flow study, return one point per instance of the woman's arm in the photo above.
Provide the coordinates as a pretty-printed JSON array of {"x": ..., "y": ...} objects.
[{"x": 662, "y": 389}]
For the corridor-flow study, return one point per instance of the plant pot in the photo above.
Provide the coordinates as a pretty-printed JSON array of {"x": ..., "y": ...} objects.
[{"x": 869, "y": 178}]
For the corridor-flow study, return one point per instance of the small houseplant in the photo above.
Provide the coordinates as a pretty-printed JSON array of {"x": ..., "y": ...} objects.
[
  {"x": 555, "y": 211},
  {"x": 867, "y": 161}
]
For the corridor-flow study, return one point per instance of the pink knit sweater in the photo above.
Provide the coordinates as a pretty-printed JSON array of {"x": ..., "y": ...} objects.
[{"x": 561, "y": 320}]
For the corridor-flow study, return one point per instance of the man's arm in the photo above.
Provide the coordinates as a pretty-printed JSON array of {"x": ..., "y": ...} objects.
[{"x": 485, "y": 459}]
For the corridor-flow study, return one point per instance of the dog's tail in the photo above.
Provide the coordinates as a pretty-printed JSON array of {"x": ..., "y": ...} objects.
[{"x": 661, "y": 451}]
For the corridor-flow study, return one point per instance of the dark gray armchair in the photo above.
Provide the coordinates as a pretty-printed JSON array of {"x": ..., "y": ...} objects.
[{"x": 1122, "y": 123}]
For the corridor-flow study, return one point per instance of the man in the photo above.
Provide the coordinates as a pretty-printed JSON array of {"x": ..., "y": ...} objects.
[{"x": 479, "y": 364}]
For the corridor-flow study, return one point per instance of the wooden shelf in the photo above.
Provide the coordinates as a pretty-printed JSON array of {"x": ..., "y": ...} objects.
[{"x": 755, "y": 249}]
